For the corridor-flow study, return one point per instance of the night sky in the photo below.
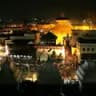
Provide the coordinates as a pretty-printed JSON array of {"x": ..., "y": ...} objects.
[{"x": 46, "y": 8}]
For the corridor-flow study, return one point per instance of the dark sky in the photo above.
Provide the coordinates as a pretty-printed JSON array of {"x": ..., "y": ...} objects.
[{"x": 46, "y": 8}]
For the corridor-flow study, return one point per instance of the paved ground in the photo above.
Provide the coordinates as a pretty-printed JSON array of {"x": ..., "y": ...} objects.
[{"x": 48, "y": 74}]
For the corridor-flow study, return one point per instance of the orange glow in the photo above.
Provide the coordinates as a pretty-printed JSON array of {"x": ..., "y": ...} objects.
[
  {"x": 32, "y": 27},
  {"x": 82, "y": 27},
  {"x": 76, "y": 51},
  {"x": 94, "y": 27},
  {"x": 85, "y": 27},
  {"x": 73, "y": 50},
  {"x": 62, "y": 29},
  {"x": 46, "y": 26}
]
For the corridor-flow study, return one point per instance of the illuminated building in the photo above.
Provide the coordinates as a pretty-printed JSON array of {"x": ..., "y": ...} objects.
[
  {"x": 31, "y": 27},
  {"x": 77, "y": 33},
  {"x": 62, "y": 28},
  {"x": 14, "y": 26},
  {"x": 81, "y": 27},
  {"x": 33, "y": 77},
  {"x": 26, "y": 36},
  {"x": 48, "y": 39},
  {"x": 87, "y": 46},
  {"x": 49, "y": 50},
  {"x": 48, "y": 45}
]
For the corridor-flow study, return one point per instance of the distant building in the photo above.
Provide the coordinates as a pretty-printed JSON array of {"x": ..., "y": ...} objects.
[
  {"x": 15, "y": 25},
  {"x": 78, "y": 33},
  {"x": 30, "y": 37},
  {"x": 49, "y": 39},
  {"x": 87, "y": 46}
]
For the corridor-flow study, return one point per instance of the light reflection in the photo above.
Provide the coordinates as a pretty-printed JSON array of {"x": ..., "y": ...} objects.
[
  {"x": 4, "y": 50},
  {"x": 32, "y": 77}
]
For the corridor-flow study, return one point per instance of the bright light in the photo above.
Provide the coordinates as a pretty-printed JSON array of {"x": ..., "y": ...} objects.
[
  {"x": 4, "y": 51},
  {"x": 61, "y": 29},
  {"x": 73, "y": 50},
  {"x": 14, "y": 56},
  {"x": 0, "y": 58},
  {"x": 62, "y": 51},
  {"x": 75, "y": 77},
  {"x": 85, "y": 28},
  {"x": 32, "y": 77},
  {"x": 82, "y": 27},
  {"x": 28, "y": 78},
  {"x": 18, "y": 56},
  {"x": 1, "y": 47},
  {"x": 59, "y": 50}
]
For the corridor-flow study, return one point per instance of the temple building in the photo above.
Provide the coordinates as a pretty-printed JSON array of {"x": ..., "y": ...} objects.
[
  {"x": 49, "y": 39},
  {"x": 87, "y": 46}
]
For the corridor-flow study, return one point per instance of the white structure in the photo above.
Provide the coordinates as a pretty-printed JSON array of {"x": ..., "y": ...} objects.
[
  {"x": 44, "y": 51},
  {"x": 87, "y": 46}
]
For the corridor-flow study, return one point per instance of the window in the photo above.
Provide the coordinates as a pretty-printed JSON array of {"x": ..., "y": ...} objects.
[
  {"x": 83, "y": 49},
  {"x": 88, "y": 49},
  {"x": 92, "y": 49}
]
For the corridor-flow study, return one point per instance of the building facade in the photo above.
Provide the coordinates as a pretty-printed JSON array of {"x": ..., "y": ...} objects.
[{"x": 87, "y": 46}]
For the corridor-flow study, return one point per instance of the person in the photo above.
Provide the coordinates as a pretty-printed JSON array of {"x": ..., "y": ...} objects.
[
  {"x": 43, "y": 56},
  {"x": 60, "y": 57},
  {"x": 53, "y": 56}
]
